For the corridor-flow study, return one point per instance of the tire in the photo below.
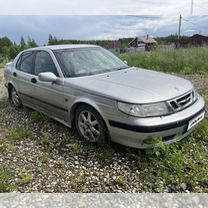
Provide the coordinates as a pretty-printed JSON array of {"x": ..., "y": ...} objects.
[
  {"x": 14, "y": 97},
  {"x": 90, "y": 125}
]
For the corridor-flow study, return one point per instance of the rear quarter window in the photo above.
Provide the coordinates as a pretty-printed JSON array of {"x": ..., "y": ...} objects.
[{"x": 25, "y": 62}]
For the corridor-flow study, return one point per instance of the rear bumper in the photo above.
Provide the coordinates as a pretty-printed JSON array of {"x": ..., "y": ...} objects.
[{"x": 138, "y": 132}]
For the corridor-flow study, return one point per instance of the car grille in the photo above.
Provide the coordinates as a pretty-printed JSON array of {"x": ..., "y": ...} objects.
[{"x": 183, "y": 101}]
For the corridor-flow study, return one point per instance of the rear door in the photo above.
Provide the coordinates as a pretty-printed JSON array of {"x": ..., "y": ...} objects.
[
  {"x": 49, "y": 96},
  {"x": 22, "y": 77}
]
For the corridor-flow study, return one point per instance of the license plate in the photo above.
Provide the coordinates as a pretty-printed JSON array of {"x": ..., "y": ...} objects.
[{"x": 195, "y": 121}]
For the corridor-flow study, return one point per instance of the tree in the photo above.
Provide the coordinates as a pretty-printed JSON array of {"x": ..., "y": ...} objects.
[
  {"x": 13, "y": 51},
  {"x": 31, "y": 42},
  {"x": 52, "y": 40},
  {"x": 4, "y": 43},
  {"x": 22, "y": 43}
]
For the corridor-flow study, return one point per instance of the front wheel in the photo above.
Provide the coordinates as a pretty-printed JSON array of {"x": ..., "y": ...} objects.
[
  {"x": 15, "y": 99},
  {"x": 90, "y": 124}
]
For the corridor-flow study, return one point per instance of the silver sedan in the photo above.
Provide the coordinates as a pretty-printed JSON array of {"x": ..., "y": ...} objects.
[{"x": 87, "y": 87}]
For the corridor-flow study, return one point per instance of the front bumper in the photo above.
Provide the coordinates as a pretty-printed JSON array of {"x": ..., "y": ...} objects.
[{"x": 138, "y": 132}]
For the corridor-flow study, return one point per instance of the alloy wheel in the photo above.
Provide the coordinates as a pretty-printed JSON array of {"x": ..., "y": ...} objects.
[
  {"x": 15, "y": 97},
  {"x": 89, "y": 126}
]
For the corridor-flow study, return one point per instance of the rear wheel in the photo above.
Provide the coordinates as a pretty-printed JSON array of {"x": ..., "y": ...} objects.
[
  {"x": 15, "y": 99},
  {"x": 90, "y": 125}
]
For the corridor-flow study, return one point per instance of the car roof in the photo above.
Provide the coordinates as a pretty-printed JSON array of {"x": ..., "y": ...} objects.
[{"x": 60, "y": 47}]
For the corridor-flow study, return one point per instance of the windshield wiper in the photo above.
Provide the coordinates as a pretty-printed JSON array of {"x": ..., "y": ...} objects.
[{"x": 125, "y": 67}]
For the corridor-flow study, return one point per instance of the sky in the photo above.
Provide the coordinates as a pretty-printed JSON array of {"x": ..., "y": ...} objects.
[
  {"x": 103, "y": 7},
  {"x": 100, "y": 19},
  {"x": 82, "y": 27}
]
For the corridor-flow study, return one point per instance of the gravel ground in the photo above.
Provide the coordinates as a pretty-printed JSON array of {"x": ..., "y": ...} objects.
[
  {"x": 2, "y": 88},
  {"x": 45, "y": 156}
]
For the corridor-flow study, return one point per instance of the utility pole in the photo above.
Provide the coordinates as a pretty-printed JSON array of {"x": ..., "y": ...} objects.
[
  {"x": 179, "y": 28},
  {"x": 192, "y": 6}
]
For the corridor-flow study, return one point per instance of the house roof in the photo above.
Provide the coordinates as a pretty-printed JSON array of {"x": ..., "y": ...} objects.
[
  {"x": 145, "y": 39},
  {"x": 193, "y": 39}
]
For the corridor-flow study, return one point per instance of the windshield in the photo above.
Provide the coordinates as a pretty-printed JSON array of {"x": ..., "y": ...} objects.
[{"x": 88, "y": 61}]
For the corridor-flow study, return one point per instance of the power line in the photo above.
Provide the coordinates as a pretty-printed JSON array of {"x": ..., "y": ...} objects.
[
  {"x": 201, "y": 7},
  {"x": 195, "y": 5},
  {"x": 196, "y": 26},
  {"x": 190, "y": 22},
  {"x": 192, "y": 6}
]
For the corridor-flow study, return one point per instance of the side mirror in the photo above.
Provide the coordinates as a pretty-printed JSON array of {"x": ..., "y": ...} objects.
[
  {"x": 47, "y": 77},
  {"x": 126, "y": 62}
]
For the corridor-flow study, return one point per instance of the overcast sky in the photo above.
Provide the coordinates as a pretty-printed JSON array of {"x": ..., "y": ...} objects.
[
  {"x": 97, "y": 27},
  {"x": 67, "y": 19},
  {"x": 105, "y": 7}
]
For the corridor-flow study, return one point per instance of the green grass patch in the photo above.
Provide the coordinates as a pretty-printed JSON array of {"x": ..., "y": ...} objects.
[
  {"x": 25, "y": 177},
  {"x": 3, "y": 147},
  {"x": 185, "y": 61},
  {"x": 121, "y": 180},
  {"x": 5, "y": 176},
  {"x": 6, "y": 147},
  {"x": 37, "y": 116},
  {"x": 75, "y": 148},
  {"x": 206, "y": 99},
  {"x": 180, "y": 166},
  {"x": 60, "y": 164},
  {"x": 45, "y": 140},
  {"x": 105, "y": 153},
  {"x": 20, "y": 134}
]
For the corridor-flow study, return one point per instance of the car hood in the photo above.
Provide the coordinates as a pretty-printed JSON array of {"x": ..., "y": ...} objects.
[{"x": 133, "y": 85}]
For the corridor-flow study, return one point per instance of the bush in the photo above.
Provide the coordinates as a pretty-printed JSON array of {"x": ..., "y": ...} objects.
[{"x": 13, "y": 51}]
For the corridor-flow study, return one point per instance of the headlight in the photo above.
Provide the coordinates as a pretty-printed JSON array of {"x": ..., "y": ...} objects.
[{"x": 145, "y": 110}]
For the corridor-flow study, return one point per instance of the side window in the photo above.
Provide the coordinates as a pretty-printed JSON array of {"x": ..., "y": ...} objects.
[
  {"x": 44, "y": 63},
  {"x": 25, "y": 62},
  {"x": 19, "y": 62}
]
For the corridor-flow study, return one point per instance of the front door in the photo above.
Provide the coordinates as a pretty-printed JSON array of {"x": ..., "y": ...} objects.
[{"x": 49, "y": 96}]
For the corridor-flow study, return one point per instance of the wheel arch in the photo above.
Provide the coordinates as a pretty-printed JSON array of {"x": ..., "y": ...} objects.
[{"x": 77, "y": 104}]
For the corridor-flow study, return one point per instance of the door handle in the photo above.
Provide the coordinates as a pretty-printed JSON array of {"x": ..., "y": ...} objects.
[
  {"x": 14, "y": 74},
  {"x": 33, "y": 80}
]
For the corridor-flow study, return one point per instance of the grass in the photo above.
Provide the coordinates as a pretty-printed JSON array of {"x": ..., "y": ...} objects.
[
  {"x": 37, "y": 117},
  {"x": 45, "y": 139},
  {"x": 6, "y": 147},
  {"x": 105, "y": 153},
  {"x": 5, "y": 176},
  {"x": 61, "y": 164},
  {"x": 20, "y": 134},
  {"x": 206, "y": 99},
  {"x": 75, "y": 148},
  {"x": 25, "y": 177},
  {"x": 185, "y": 61},
  {"x": 3, "y": 147},
  {"x": 121, "y": 180},
  {"x": 181, "y": 166},
  {"x": 2, "y": 65}
]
